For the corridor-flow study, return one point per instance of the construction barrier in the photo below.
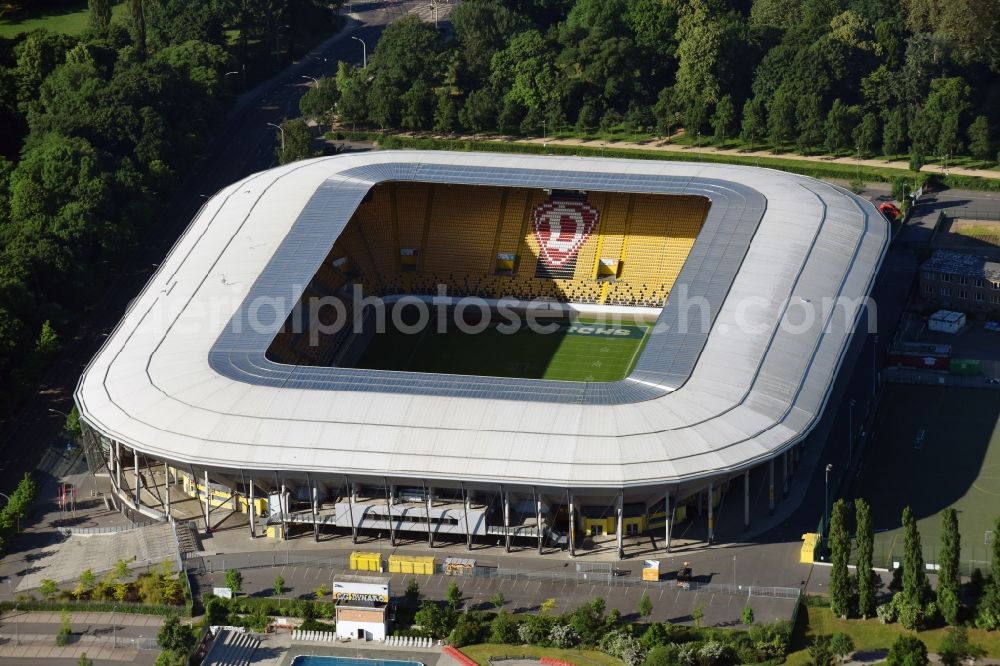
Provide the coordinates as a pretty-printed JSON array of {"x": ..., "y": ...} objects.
[
  {"x": 411, "y": 564},
  {"x": 458, "y": 656}
]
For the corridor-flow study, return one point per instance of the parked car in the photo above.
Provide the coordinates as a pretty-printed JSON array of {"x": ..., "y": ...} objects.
[{"x": 890, "y": 211}]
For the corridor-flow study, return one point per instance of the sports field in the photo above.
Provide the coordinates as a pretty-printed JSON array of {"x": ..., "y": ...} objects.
[
  {"x": 581, "y": 351},
  {"x": 934, "y": 447},
  {"x": 69, "y": 18}
]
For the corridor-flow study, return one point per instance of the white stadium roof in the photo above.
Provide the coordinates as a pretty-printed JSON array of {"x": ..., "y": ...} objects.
[{"x": 182, "y": 377}]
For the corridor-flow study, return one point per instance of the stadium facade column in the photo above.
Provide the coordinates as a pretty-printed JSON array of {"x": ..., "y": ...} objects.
[
  {"x": 770, "y": 487},
  {"x": 166, "y": 491},
  {"x": 135, "y": 476},
  {"x": 350, "y": 508},
  {"x": 746, "y": 497},
  {"x": 118, "y": 467},
  {"x": 538, "y": 517},
  {"x": 784, "y": 474},
  {"x": 197, "y": 496},
  {"x": 282, "y": 508},
  {"x": 711, "y": 523},
  {"x": 315, "y": 508},
  {"x": 620, "y": 529},
  {"x": 571, "y": 536},
  {"x": 666, "y": 520},
  {"x": 465, "y": 506},
  {"x": 505, "y": 498},
  {"x": 208, "y": 508},
  {"x": 253, "y": 512},
  {"x": 428, "y": 503},
  {"x": 390, "y": 494}
]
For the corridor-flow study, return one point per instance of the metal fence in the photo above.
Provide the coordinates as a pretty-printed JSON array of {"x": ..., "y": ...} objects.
[
  {"x": 111, "y": 529},
  {"x": 81, "y": 640},
  {"x": 967, "y": 214}
]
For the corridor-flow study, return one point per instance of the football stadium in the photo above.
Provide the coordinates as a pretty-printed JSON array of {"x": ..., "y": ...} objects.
[{"x": 495, "y": 348}]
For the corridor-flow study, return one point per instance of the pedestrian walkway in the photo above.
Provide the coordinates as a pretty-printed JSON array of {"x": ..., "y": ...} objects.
[
  {"x": 80, "y": 617},
  {"x": 11, "y": 651}
]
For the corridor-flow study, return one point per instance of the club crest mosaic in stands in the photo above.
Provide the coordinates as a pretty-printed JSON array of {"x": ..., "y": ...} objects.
[{"x": 562, "y": 225}]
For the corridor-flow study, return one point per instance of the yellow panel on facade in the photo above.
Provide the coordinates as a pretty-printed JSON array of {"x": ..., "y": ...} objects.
[
  {"x": 410, "y": 564},
  {"x": 598, "y": 526},
  {"x": 366, "y": 561}
]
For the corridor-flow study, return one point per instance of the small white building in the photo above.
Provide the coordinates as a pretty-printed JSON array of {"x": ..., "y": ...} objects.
[
  {"x": 946, "y": 321},
  {"x": 362, "y": 604}
]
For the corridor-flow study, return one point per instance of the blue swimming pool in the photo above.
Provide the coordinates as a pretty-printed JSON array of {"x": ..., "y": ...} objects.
[{"x": 349, "y": 661}]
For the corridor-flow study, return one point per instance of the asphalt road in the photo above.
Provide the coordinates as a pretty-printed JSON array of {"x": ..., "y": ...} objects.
[{"x": 245, "y": 146}]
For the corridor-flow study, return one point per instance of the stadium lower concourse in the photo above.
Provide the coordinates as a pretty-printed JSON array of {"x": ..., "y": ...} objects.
[{"x": 303, "y": 355}]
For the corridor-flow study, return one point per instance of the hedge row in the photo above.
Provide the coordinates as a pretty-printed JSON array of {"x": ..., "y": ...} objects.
[
  {"x": 804, "y": 168},
  {"x": 92, "y": 606}
]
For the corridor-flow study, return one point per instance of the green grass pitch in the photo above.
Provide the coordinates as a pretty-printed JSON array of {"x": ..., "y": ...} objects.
[
  {"x": 934, "y": 447},
  {"x": 578, "y": 351}
]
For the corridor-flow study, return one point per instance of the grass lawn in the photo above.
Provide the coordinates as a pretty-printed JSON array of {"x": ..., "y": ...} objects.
[
  {"x": 872, "y": 634},
  {"x": 481, "y": 654},
  {"x": 946, "y": 442},
  {"x": 572, "y": 352},
  {"x": 70, "y": 19}
]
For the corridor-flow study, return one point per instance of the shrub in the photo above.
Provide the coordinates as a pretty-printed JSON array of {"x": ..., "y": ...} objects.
[
  {"x": 907, "y": 651},
  {"x": 468, "y": 630},
  {"x": 624, "y": 646},
  {"x": 886, "y": 613},
  {"x": 563, "y": 636},
  {"x": 504, "y": 629},
  {"x": 663, "y": 655}
]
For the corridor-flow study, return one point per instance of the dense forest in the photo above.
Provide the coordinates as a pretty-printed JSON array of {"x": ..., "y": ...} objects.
[
  {"x": 893, "y": 77},
  {"x": 97, "y": 132}
]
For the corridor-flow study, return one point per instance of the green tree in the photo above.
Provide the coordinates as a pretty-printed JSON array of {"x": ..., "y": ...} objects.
[
  {"x": 723, "y": 119},
  {"x": 698, "y": 614},
  {"x": 436, "y": 620},
  {"x": 980, "y": 145},
  {"x": 949, "y": 579},
  {"x": 137, "y": 26},
  {"x": 498, "y": 600},
  {"x": 321, "y": 591},
  {"x": 234, "y": 580},
  {"x": 279, "y": 585},
  {"x": 841, "y": 645},
  {"x": 48, "y": 588},
  {"x": 503, "y": 629},
  {"x": 84, "y": 660},
  {"x": 294, "y": 142},
  {"x": 894, "y": 132},
  {"x": 820, "y": 653},
  {"x": 547, "y": 606},
  {"x": 988, "y": 609},
  {"x": 645, "y": 606},
  {"x": 956, "y": 647},
  {"x": 417, "y": 106},
  {"x": 453, "y": 595},
  {"x": 48, "y": 340},
  {"x": 99, "y": 15},
  {"x": 754, "y": 125},
  {"x": 866, "y": 134},
  {"x": 746, "y": 617},
  {"x": 840, "y": 551},
  {"x": 413, "y": 591},
  {"x": 320, "y": 101},
  {"x": 479, "y": 111},
  {"x": 809, "y": 118},
  {"x": 121, "y": 570},
  {"x": 352, "y": 86},
  {"x": 839, "y": 125},
  {"x": 781, "y": 118},
  {"x": 175, "y": 637},
  {"x": 65, "y": 628},
  {"x": 867, "y": 583},
  {"x": 907, "y": 651},
  {"x": 915, "y": 585}
]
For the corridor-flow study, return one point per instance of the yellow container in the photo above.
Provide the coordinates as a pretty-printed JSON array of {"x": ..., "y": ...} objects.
[
  {"x": 409, "y": 564},
  {"x": 366, "y": 561},
  {"x": 808, "y": 552}
]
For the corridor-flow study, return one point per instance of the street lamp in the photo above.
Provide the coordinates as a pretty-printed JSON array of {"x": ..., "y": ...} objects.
[
  {"x": 314, "y": 80},
  {"x": 826, "y": 497},
  {"x": 233, "y": 73},
  {"x": 364, "y": 51},
  {"x": 56, "y": 411},
  {"x": 280, "y": 129}
]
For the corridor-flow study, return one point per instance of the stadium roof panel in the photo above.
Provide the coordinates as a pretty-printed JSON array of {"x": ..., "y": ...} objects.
[{"x": 184, "y": 375}]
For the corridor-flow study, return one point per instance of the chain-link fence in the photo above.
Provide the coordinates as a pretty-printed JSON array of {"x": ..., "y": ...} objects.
[{"x": 890, "y": 555}]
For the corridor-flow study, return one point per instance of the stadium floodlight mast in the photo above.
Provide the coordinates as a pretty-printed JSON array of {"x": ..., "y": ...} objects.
[{"x": 364, "y": 52}]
